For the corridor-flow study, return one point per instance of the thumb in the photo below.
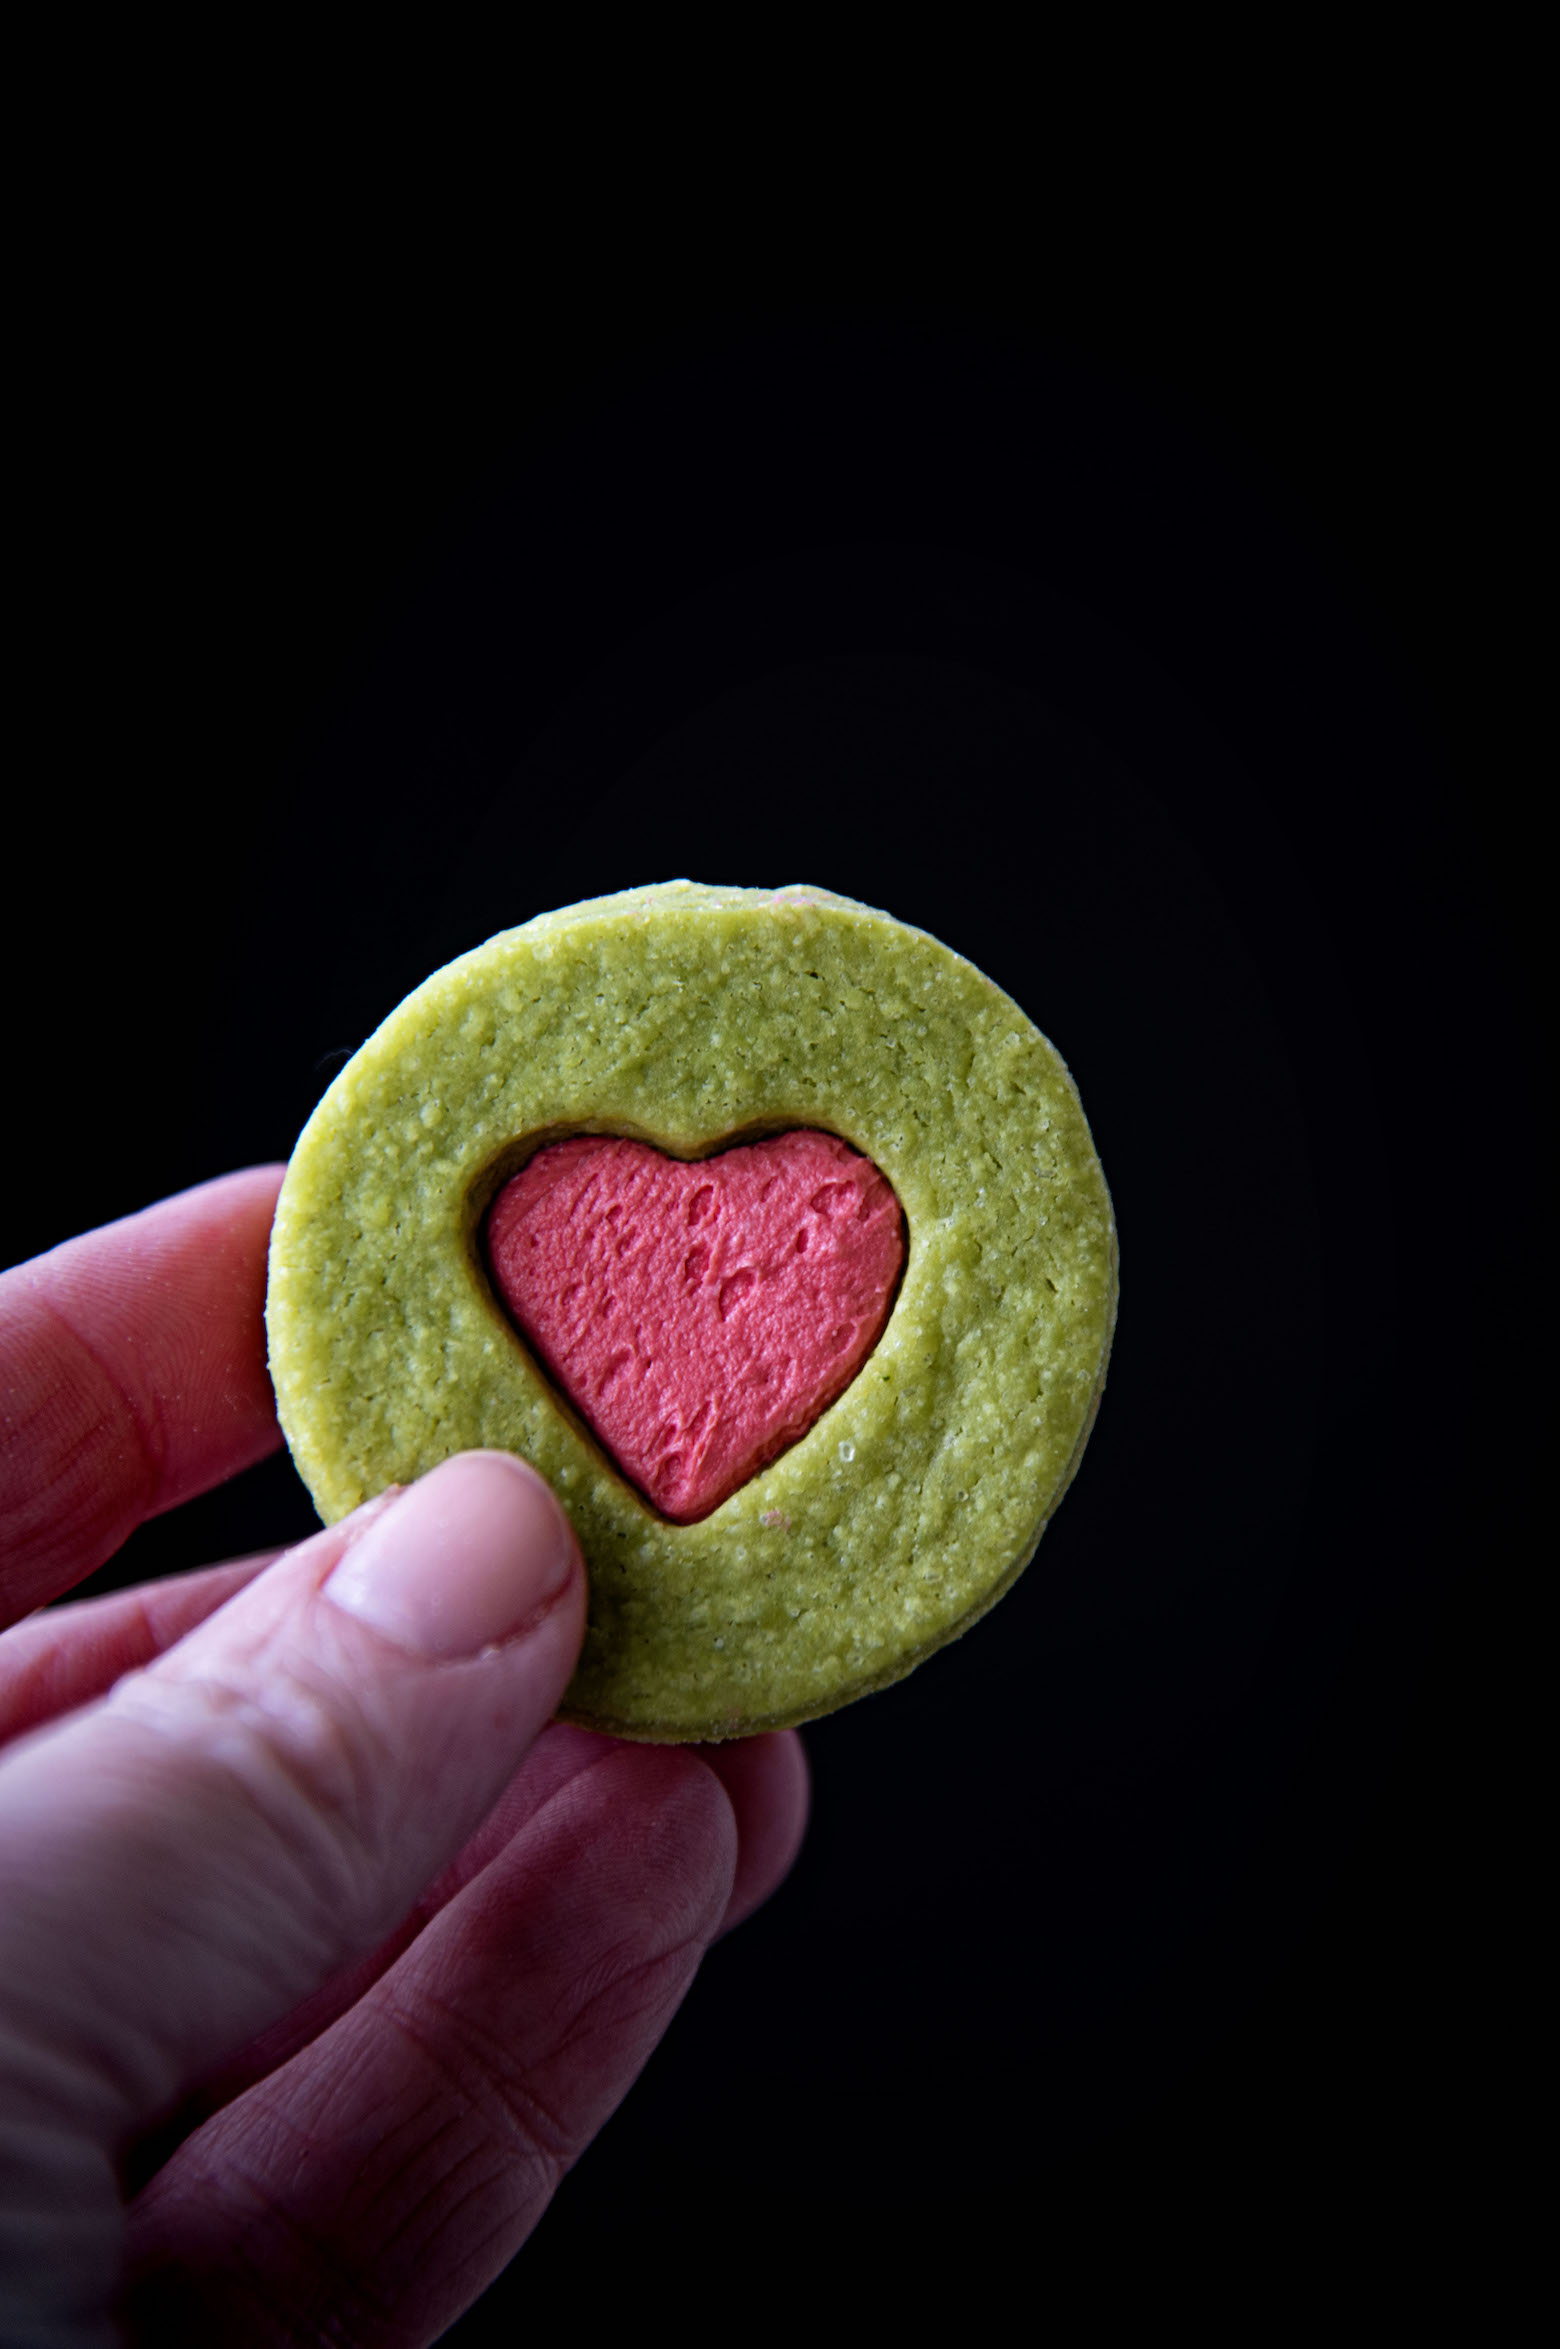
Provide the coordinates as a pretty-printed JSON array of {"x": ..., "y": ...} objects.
[{"x": 183, "y": 1862}]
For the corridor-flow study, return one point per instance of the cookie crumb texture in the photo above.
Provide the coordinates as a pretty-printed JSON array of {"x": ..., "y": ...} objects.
[{"x": 699, "y": 1020}]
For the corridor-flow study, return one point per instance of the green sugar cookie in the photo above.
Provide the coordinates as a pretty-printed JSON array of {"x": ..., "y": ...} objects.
[{"x": 700, "y": 1021}]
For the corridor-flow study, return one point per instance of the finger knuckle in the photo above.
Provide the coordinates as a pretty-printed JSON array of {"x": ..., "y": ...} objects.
[{"x": 284, "y": 1756}]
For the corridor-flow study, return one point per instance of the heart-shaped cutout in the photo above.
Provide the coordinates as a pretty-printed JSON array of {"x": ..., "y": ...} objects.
[{"x": 700, "y": 1316}]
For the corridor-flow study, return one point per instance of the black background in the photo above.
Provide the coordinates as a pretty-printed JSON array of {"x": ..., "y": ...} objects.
[{"x": 1130, "y": 641}]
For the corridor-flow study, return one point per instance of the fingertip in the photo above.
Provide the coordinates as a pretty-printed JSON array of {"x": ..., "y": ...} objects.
[
  {"x": 768, "y": 1782},
  {"x": 536, "y": 1485},
  {"x": 467, "y": 1558},
  {"x": 245, "y": 1188},
  {"x": 134, "y": 1357}
]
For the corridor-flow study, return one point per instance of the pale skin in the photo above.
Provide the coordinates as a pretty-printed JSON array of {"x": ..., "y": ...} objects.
[{"x": 324, "y": 1950}]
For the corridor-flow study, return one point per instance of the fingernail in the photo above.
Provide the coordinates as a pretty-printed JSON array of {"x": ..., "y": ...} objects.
[{"x": 463, "y": 1560}]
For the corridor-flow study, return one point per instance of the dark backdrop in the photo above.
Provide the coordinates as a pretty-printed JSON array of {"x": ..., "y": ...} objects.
[{"x": 1131, "y": 654}]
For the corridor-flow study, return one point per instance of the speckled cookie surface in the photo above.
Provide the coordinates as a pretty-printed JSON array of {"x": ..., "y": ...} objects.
[{"x": 692, "y": 1017}]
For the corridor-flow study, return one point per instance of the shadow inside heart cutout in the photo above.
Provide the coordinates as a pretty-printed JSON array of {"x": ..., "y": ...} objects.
[{"x": 699, "y": 1315}]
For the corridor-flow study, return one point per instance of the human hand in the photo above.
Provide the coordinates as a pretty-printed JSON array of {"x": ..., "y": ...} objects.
[{"x": 321, "y": 1956}]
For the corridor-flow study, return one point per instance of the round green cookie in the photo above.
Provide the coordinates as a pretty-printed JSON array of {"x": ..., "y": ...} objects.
[{"x": 692, "y": 1017}]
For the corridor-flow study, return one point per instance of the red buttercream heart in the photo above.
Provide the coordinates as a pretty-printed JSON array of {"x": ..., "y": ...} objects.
[{"x": 698, "y": 1316}]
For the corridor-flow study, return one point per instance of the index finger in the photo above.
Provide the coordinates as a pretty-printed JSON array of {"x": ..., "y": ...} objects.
[{"x": 132, "y": 1376}]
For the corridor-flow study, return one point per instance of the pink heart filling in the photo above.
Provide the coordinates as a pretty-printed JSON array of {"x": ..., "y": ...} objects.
[{"x": 698, "y": 1317}]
